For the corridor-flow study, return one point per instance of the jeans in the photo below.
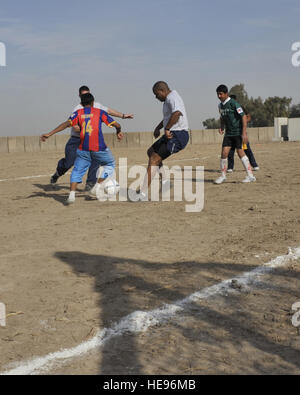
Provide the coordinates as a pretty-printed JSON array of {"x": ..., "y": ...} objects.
[
  {"x": 68, "y": 161},
  {"x": 84, "y": 159}
]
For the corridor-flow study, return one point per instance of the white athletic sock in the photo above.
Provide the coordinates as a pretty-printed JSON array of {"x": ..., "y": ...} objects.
[
  {"x": 247, "y": 166},
  {"x": 224, "y": 165},
  {"x": 72, "y": 194}
]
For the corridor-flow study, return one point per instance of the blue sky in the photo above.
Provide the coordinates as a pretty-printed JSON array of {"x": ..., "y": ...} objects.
[{"x": 120, "y": 48}]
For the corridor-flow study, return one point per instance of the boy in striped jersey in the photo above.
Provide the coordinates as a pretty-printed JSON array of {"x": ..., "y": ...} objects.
[{"x": 92, "y": 146}]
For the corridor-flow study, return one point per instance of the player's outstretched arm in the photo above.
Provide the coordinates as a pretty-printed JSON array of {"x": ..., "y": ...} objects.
[
  {"x": 58, "y": 129},
  {"x": 115, "y": 113}
]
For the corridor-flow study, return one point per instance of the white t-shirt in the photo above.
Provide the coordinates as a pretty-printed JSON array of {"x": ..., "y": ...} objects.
[
  {"x": 174, "y": 103},
  {"x": 79, "y": 107}
]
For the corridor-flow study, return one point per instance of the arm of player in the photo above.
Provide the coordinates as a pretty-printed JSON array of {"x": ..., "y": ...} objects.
[
  {"x": 58, "y": 129},
  {"x": 157, "y": 129},
  {"x": 117, "y": 126},
  {"x": 222, "y": 126},
  {"x": 172, "y": 121},
  {"x": 115, "y": 113},
  {"x": 244, "y": 132}
]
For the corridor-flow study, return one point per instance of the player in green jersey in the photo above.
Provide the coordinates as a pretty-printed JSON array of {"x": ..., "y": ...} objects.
[
  {"x": 234, "y": 121},
  {"x": 246, "y": 148}
]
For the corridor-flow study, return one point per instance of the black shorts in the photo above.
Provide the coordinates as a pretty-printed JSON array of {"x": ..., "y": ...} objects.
[
  {"x": 233, "y": 142},
  {"x": 165, "y": 147}
]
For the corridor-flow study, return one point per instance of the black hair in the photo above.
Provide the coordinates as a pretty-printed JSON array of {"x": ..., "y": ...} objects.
[
  {"x": 87, "y": 99},
  {"x": 222, "y": 88},
  {"x": 160, "y": 85},
  {"x": 83, "y": 88}
]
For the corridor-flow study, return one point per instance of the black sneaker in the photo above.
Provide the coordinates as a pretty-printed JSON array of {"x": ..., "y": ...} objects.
[{"x": 54, "y": 178}]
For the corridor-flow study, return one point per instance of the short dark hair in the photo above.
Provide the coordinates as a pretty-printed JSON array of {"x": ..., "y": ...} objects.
[
  {"x": 83, "y": 88},
  {"x": 160, "y": 85},
  {"x": 87, "y": 99},
  {"x": 222, "y": 88}
]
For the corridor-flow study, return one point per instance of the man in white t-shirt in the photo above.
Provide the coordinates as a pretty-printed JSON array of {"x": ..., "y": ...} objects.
[
  {"x": 67, "y": 162},
  {"x": 176, "y": 135}
]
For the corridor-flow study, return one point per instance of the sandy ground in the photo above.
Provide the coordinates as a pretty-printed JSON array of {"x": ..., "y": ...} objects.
[{"x": 66, "y": 272}]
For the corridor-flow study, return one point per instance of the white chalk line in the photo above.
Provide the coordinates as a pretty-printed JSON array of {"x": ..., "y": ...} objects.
[
  {"x": 141, "y": 321},
  {"x": 49, "y": 175}
]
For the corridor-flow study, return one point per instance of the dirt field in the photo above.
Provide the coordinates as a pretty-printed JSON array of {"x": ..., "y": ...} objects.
[{"x": 66, "y": 272}]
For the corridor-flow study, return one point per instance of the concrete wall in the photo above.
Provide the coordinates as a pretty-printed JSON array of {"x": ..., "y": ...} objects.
[
  {"x": 130, "y": 140},
  {"x": 280, "y": 129},
  {"x": 294, "y": 129}
]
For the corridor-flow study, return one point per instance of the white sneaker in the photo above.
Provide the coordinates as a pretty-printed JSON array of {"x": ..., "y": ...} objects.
[
  {"x": 256, "y": 168},
  {"x": 229, "y": 170},
  {"x": 220, "y": 180},
  {"x": 249, "y": 179},
  {"x": 70, "y": 200}
]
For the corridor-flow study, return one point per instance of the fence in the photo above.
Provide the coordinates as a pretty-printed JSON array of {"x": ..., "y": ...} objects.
[{"x": 131, "y": 140}]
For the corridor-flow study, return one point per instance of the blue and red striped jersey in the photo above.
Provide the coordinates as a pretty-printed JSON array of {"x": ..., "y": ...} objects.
[{"x": 90, "y": 121}]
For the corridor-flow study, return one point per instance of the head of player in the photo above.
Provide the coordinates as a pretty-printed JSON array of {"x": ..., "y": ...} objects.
[
  {"x": 222, "y": 93},
  {"x": 87, "y": 100},
  {"x": 161, "y": 90},
  {"x": 83, "y": 90}
]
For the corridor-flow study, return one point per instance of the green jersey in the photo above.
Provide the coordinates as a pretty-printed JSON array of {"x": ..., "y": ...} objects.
[{"x": 232, "y": 113}]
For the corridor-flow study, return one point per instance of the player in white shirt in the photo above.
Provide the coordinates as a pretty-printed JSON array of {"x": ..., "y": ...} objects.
[
  {"x": 176, "y": 135},
  {"x": 67, "y": 162}
]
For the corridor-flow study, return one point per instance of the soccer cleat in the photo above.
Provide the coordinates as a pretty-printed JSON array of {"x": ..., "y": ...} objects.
[
  {"x": 229, "y": 170},
  {"x": 249, "y": 179},
  {"x": 220, "y": 180},
  {"x": 54, "y": 178},
  {"x": 256, "y": 168}
]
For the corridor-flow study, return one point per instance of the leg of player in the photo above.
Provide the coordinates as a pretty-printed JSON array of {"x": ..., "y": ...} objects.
[
  {"x": 231, "y": 160},
  {"x": 67, "y": 162},
  {"x": 251, "y": 158},
  {"x": 245, "y": 161},
  {"x": 161, "y": 166},
  {"x": 81, "y": 165},
  {"x": 106, "y": 160},
  {"x": 153, "y": 164},
  {"x": 92, "y": 175},
  {"x": 223, "y": 165}
]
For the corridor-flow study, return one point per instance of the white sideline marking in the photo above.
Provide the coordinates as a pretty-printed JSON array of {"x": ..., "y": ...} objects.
[
  {"x": 140, "y": 321},
  {"x": 49, "y": 175}
]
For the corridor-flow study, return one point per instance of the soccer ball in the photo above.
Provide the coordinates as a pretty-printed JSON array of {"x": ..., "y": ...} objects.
[{"x": 111, "y": 187}]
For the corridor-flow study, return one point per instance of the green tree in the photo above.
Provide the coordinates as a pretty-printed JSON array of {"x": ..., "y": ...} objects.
[
  {"x": 295, "y": 111},
  {"x": 241, "y": 94},
  {"x": 211, "y": 123},
  {"x": 277, "y": 107}
]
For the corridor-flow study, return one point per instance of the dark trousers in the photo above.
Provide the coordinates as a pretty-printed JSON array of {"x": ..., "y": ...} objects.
[
  {"x": 249, "y": 154},
  {"x": 68, "y": 161}
]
